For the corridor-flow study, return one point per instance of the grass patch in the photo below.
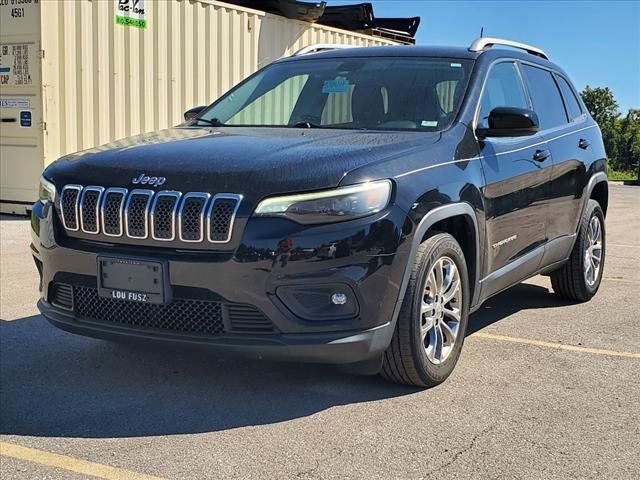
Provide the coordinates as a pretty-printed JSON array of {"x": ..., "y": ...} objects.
[{"x": 622, "y": 175}]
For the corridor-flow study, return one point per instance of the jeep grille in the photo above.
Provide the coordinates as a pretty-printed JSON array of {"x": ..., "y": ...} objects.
[{"x": 192, "y": 217}]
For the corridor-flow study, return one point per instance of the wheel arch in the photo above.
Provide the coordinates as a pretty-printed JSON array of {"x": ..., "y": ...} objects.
[
  {"x": 600, "y": 193},
  {"x": 461, "y": 226},
  {"x": 598, "y": 189},
  {"x": 454, "y": 215}
]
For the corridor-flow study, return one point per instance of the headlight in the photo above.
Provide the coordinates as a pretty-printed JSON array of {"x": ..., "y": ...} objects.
[
  {"x": 47, "y": 191},
  {"x": 344, "y": 203}
]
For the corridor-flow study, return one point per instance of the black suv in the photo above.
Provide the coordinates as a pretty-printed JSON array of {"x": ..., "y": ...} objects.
[{"x": 348, "y": 206}]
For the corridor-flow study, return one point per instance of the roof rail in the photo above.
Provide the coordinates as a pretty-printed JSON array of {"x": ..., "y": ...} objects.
[
  {"x": 320, "y": 47},
  {"x": 484, "y": 43}
]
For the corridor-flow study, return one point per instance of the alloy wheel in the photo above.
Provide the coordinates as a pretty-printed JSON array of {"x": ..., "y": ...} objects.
[
  {"x": 593, "y": 251},
  {"x": 440, "y": 310}
]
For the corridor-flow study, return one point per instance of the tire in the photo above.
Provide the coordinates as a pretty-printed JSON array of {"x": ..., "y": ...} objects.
[
  {"x": 572, "y": 281},
  {"x": 411, "y": 358}
]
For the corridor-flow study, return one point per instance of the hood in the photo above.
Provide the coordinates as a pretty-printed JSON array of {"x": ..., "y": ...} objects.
[{"x": 254, "y": 162}]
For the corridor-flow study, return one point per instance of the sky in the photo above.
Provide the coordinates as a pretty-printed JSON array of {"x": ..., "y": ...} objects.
[{"x": 597, "y": 43}]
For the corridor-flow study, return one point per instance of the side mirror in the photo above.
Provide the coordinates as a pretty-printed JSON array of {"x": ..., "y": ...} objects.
[
  {"x": 510, "y": 122},
  {"x": 194, "y": 112}
]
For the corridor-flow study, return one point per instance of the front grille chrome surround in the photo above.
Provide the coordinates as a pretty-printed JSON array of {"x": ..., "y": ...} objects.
[
  {"x": 131, "y": 217},
  {"x": 184, "y": 218},
  {"x": 211, "y": 217},
  {"x": 171, "y": 218},
  {"x": 69, "y": 200},
  {"x": 90, "y": 217},
  {"x": 145, "y": 214},
  {"x": 113, "y": 227}
]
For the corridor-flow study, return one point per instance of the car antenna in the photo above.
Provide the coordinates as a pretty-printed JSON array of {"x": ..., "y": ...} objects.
[{"x": 481, "y": 32}]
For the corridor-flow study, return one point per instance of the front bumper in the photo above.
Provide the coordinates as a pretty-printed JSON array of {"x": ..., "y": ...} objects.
[
  {"x": 336, "y": 348},
  {"x": 366, "y": 255}
]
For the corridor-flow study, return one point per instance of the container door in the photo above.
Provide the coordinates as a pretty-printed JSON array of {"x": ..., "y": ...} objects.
[{"x": 21, "y": 149}]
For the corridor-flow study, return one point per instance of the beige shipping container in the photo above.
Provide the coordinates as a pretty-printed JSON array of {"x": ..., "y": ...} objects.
[{"x": 75, "y": 74}]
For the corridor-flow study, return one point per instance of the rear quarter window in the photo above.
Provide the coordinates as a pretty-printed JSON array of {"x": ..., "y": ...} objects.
[{"x": 570, "y": 101}]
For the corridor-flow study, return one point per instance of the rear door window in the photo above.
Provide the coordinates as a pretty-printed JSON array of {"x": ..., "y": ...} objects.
[
  {"x": 503, "y": 88},
  {"x": 545, "y": 96},
  {"x": 570, "y": 101}
]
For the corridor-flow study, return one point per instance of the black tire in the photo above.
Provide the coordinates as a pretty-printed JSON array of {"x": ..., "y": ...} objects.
[
  {"x": 569, "y": 282},
  {"x": 405, "y": 360}
]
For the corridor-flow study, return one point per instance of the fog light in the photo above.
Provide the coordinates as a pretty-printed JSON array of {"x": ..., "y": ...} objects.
[
  {"x": 339, "y": 298},
  {"x": 323, "y": 302}
]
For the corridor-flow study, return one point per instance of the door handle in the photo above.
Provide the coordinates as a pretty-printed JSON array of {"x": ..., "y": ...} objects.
[
  {"x": 541, "y": 155},
  {"x": 583, "y": 144}
]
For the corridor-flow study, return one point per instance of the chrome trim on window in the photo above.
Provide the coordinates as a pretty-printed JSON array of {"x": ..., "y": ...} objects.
[
  {"x": 157, "y": 196},
  {"x": 185, "y": 197},
  {"x": 90, "y": 188},
  {"x": 105, "y": 195},
  {"x": 78, "y": 188},
  {"x": 149, "y": 195},
  {"x": 223, "y": 196}
]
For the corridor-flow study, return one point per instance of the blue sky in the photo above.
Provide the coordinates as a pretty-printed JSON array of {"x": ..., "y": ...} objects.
[{"x": 597, "y": 43}]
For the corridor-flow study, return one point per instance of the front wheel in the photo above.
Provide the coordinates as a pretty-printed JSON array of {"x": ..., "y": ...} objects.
[
  {"x": 433, "y": 319},
  {"x": 579, "y": 279}
]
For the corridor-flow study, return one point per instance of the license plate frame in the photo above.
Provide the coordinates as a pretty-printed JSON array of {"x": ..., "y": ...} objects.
[{"x": 133, "y": 280}]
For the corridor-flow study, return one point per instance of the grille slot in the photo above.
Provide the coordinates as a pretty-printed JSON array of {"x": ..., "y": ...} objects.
[
  {"x": 89, "y": 208},
  {"x": 61, "y": 295},
  {"x": 163, "y": 214},
  {"x": 112, "y": 209},
  {"x": 191, "y": 217},
  {"x": 116, "y": 212},
  {"x": 221, "y": 216},
  {"x": 190, "y": 316},
  {"x": 69, "y": 206},
  {"x": 248, "y": 319},
  {"x": 136, "y": 213}
]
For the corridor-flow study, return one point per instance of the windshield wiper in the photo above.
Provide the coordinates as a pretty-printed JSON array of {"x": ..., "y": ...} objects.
[
  {"x": 214, "y": 122},
  {"x": 307, "y": 125}
]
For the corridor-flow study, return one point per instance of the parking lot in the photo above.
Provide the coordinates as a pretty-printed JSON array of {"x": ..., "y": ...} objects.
[{"x": 543, "y": 389}]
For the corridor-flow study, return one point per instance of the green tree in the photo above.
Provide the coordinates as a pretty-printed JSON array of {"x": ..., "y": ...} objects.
[
  {"x": 629, "y": 140},
  {"x": 603, "y": 108}
]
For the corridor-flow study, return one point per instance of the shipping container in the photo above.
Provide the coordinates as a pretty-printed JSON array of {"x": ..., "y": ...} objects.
[{"x": 76, "y": 74}]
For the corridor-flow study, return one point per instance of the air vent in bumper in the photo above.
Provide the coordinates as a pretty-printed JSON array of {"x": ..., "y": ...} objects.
[
  {"x": 193, "y": 316},
  {"x": 247, "y": 319},
  {"x": 190, "y": 316},
  {"x": 61, "y": 295}
]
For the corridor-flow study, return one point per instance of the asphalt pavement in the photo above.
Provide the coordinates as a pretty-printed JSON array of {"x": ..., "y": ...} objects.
[{"x": 544, "y": 389}]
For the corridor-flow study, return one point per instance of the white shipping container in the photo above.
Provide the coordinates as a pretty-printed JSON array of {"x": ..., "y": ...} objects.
[{"x": 75, "y": 74}]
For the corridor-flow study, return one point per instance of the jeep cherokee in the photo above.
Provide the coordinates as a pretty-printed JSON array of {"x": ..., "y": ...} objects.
[{"x": 348, "y": 206}]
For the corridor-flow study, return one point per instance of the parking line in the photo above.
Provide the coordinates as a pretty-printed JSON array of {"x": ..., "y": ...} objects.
[
  {"x": 559, "y": 346},
  {"x": 83, "y": 467}
]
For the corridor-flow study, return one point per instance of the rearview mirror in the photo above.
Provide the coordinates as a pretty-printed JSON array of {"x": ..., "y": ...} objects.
[
  {"x": 194, "y": 112},
  {"x": 510, "y": 122}
]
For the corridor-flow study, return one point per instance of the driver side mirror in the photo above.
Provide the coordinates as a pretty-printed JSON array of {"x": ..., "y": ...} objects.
[
  {"x": 510, "y": 122},
  {"x": 194, "y": 112}
]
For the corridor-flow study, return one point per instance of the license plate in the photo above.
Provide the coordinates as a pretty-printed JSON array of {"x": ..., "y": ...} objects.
[{"x": 132, "y": 280}]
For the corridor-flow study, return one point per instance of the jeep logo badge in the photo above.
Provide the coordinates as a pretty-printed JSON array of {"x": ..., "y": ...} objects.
[{"x": 147, "y": 180}]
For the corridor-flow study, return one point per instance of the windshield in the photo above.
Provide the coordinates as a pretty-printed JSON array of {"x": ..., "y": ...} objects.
[{"x": 372, "y": 93}]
